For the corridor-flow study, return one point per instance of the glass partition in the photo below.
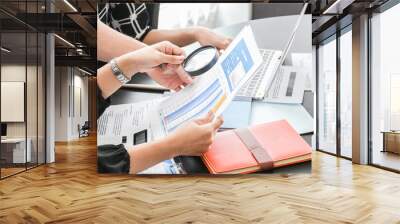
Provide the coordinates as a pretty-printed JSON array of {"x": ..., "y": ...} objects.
[
  {"x": 14, "y": 143},
  {"x": 385, "y": 89},
  {"x": 22, "y": 90},
  {"x": 346, "y": 93},
  {"x": 327, "y": 96}
]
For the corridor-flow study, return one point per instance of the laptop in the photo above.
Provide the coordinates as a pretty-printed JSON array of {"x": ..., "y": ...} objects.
[{"x": 259, "y": 84}]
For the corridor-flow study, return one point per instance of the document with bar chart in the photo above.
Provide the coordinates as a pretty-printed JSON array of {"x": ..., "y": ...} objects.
[{"x": 214, "y": 90}]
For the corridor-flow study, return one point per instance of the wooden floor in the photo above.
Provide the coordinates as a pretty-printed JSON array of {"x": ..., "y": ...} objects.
[
  {"x": 11, "y": 170},
  {"x": 386, "y": 159},
  {"x": 70, "y": 191}
]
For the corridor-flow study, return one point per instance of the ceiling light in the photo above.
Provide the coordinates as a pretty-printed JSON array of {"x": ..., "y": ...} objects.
[
  {"x": 5, "y": 50},
  {"x": 70, "y": 5},
  {"x": 65, "y": 41}
]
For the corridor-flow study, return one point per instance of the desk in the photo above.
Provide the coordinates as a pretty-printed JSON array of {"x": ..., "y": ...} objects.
[
  {"x": 391, "y": 141},
  {"x": 13, "y": 150},
  {"x": 270, "y": 33}
]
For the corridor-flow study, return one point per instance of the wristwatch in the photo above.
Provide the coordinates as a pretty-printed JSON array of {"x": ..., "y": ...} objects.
[{"x": 118, "y": 73}]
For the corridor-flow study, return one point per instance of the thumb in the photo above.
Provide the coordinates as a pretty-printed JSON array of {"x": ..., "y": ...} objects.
[
  {"x": 216, "y": 124},
  {"x": 184, "y": 76},
  {"x": 207, "y": 119}
]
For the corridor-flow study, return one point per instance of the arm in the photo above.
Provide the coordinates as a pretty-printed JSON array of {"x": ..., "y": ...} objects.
[
  {"x": 112, "y": 43},
  {"x": 149, "y": 154},
  {"x": 142, "y": 60},
  {"x": 194, "y": 138},
  {"x": 183, "y": 37},
  {"x": 107, "y": 82},
  {"x": 180, "y": 37}
]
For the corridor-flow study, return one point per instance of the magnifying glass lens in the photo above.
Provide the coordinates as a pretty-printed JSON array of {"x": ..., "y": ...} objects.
[{"x": 202, "y": 59}]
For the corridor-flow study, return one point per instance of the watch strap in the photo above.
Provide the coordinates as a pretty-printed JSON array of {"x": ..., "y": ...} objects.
[{"x": 119, "y": 75}]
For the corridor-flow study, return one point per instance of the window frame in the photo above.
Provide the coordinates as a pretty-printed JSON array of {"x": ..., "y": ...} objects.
[
  {"x": 334, "y": 37},
  {"x": 378, "y": 10}
]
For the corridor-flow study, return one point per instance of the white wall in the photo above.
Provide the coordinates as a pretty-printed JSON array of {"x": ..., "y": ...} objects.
[
  {"x": 34, "y": 126},
  {"x": 80, "y": 84},
  {"x": 15, "y": 72},
  {"x": 67, "y": 114},
  {"x": 61, "y": 103}
]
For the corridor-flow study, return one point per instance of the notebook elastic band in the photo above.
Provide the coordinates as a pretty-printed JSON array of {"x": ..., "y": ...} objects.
[{"x": 259, "y": 153}]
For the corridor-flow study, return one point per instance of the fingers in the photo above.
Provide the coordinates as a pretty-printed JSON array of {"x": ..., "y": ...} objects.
[
  {"x": 186, "y": 78},
  {"x": 170, "y": 53},
  {"x": 178, "y": 88},
  {"x": 227, "y": 42},
  {"x": 224, "y": 43},
  {"x": 217, "y": 123},
  {"x": 171, "y": 59},
  {"x": 167, "y": 47},
  {"x": 207, "y": 119},
  {"x": 210, "y": 116}
]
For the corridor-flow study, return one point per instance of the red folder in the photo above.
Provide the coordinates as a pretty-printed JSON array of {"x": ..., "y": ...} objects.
[{"x": 259, "y": 147}]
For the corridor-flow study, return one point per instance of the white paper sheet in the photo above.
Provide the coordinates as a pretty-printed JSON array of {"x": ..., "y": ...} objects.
[
  {"x": 124, "y": 120},
  {"x": 288, "y": 85},
  {"x": 215, "y": 89}
]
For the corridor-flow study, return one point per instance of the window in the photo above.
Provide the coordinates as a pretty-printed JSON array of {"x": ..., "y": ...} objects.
[
  {"x": 327, "y": 96},
  {"x": 346, "y": 93},
  {"x": 385, "y": 89}
]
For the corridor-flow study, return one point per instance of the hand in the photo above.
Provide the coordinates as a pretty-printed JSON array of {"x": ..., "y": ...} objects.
[
  {"x": 195, "y": 137},
  {"x": 171, "y": 76},
  {"x": 207, "y": 37},
  {"x": 150, "y": 57}
]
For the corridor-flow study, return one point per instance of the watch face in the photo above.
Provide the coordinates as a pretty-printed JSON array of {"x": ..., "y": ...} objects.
[
  {"x": 122, "y": 78},
  {"x": 117, "y": 72}
]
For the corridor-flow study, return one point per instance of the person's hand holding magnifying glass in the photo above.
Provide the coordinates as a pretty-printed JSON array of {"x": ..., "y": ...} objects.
[{"x": 171, "y": 75}]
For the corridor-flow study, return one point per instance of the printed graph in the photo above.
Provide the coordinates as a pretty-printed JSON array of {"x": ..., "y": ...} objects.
[
  {"x": 207, "y": 100},
  {"x": 239, "y": 55}
]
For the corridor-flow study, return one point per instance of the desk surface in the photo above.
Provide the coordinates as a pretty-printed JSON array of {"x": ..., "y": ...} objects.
[
  {"x": 391, "y": 132},
  {"x": 268, "y": 34},
  {"x": 13, "y": 140}
]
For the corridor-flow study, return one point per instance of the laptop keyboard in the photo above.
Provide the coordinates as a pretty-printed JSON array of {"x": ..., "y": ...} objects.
[{"x": 249, "y": 89}]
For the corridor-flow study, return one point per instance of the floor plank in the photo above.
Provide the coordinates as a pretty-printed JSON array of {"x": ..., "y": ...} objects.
[{"x": 71, "y": 191}]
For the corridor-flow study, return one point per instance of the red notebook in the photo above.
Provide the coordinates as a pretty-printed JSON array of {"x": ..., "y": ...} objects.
[{"x": 259, "y": 147}]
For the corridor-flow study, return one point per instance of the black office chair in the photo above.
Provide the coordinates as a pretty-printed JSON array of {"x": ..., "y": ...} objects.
[{"x": 84, "y": 130}]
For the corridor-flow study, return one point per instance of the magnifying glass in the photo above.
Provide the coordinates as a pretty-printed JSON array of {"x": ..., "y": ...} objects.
[{"x": 201, "y": 60}]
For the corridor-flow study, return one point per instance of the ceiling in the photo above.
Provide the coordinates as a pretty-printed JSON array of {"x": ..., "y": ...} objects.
[
  {"x": 330, "y": 16},
  {"x": 21, "y": 22},
  {"x": 76, "y": 23}
]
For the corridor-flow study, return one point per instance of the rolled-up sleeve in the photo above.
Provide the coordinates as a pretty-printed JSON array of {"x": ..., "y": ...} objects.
[{"x": 113, "y": 159}]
